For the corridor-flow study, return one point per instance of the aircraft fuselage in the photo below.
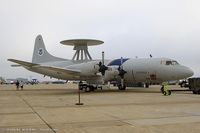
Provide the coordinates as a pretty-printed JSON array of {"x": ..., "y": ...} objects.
[{"x": 148, "y": 70}]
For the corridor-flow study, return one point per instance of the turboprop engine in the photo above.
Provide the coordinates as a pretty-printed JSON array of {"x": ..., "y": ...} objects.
[
  {"x": 111, "y": 74},
  {"x": 89, "y": 68}
]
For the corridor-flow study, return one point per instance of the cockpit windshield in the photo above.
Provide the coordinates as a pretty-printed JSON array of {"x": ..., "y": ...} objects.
[
  {"x": 175, "y": 63},
  {"x": 169, "y": 62}
]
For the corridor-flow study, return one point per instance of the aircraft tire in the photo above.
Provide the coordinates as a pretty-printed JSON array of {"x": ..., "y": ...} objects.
[
  {"x": 199, "y": 91},
  {"x": 91, "y": 88},
  {"x": 169, "y": 92},
  {"x": 146, "y": 85},
  {"x": 87, "y": 89},
  {"x": 194, "y": 92},
  {"x": 80, "y": 87},
  {"x": 120, "y": 87},
  {"x": 164, "y": 93},
  {"x": 124, "y": 87},
  {"x": 162, "y": 89}
]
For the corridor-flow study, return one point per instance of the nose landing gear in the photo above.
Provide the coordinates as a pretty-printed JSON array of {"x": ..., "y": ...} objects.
[
  {"x": 88, "y": 87},
  {"x": 121, "y": 87},
  {"x": 165, "y": 91}
]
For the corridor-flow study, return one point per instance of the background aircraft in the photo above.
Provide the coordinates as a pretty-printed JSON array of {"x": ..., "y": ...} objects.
[{"x": 83, "y": 68}]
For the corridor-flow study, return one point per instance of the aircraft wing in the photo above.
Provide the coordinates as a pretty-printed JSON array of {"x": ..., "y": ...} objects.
[
  {"x": 50, "y": 68},
  {"x": 60, "y": 70}
]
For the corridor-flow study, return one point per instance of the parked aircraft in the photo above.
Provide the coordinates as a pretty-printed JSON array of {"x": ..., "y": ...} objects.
[{"x": 96, "y": 72}]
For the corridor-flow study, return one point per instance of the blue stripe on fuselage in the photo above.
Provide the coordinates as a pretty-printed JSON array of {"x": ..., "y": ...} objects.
[{"x": 117, "y": 62}]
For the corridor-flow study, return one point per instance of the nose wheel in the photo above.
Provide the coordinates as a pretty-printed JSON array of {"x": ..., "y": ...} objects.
[
  {"x": 165, "y": 91},
  {"x": 121, "y": 87}
]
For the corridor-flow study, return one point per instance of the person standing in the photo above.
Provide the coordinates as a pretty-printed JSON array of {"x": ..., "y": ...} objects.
[
  {"x": 17, "y": 85},
  {"x": 21, "y": 85}
]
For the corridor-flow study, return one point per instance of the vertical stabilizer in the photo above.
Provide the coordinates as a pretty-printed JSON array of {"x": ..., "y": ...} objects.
[{"x": 40, "y": 54}]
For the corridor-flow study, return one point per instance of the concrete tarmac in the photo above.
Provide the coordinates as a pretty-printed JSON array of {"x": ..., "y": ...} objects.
[{"x": 51, "y": 109}]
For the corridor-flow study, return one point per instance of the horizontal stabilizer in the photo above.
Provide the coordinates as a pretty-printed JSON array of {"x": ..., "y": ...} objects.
[{"x": 22, "y": 63}]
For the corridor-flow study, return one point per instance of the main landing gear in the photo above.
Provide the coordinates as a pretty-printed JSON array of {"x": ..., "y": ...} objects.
[
  {"x": 88, "y": 87},
  {"x": 121, "y": 87},
  {"x": 165, "y": 91}
]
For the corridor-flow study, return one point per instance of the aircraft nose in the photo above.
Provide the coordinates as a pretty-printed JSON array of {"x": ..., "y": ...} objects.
[{"x": 188, "y": 72}]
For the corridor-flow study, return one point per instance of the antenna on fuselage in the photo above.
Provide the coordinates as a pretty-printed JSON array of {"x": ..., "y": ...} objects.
[{"x": 81, "y": 48}]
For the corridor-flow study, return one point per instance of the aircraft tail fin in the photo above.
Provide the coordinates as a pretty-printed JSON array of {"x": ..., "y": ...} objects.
[{"x": 40, "y": 54}]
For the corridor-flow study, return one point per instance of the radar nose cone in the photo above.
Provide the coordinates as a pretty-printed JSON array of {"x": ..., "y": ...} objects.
[
  {"x": 187, "y": 72},
  {"x": 190, "y": 72}
]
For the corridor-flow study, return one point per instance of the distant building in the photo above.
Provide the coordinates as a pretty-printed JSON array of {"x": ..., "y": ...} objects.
[
  {"x": 12, "y": 81},
  {"x": 22, "y": 79}
]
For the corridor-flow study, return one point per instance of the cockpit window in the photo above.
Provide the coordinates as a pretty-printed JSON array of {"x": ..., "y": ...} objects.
[
  {"x": 174, "y": 63},
  {"x": 169, "y": 62}
]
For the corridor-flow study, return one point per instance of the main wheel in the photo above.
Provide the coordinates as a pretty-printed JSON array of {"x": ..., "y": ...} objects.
[
  {"x": 80, "y": 87},
  {"x": 199, "y": 91},
  {"x": 146, "y": 85},
  {"x": 91, "y": 88},
  {"x": 121, "y": 88},
  {"x": 194, "y": 92},
  {"x": 124, "y": 87},
  {"x": 162, "y": 89},
  {"x": 87, "y": 89},
  {"x": 169, "y": 92}
]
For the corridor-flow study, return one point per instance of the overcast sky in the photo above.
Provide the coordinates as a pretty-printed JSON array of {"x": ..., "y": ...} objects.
[{"x": 129, "y": 28}]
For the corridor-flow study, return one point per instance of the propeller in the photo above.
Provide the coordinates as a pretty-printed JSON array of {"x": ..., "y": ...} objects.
[
  {"x": 102, "y": 67},
  {"x": 122, "y": 72}
]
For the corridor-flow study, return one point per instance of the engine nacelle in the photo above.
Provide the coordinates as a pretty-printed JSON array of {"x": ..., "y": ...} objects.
[
  {"x": 89, "y": 68},
  {"x": 111, "y": 74}
]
